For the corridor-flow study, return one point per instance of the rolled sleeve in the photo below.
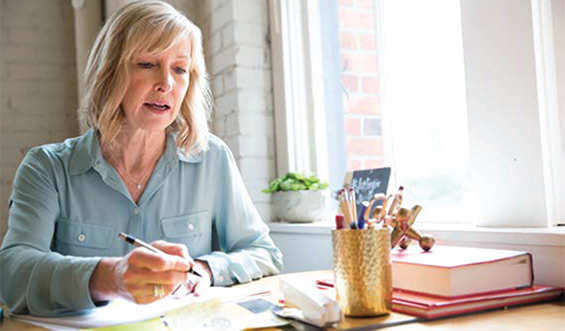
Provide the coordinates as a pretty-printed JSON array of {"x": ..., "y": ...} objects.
[
  {"x": 68, "y": 279},
  {"x": 219, "y": 266}
]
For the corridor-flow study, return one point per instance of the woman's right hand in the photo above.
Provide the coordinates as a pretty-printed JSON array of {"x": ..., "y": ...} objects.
[{"x": 134, "y": 276}]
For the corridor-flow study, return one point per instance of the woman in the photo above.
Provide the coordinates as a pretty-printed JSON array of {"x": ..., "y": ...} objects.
[{"x": 147, "y": 167}]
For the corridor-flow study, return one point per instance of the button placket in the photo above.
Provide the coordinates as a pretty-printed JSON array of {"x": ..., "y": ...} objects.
[{"x": 81, "y": 237}]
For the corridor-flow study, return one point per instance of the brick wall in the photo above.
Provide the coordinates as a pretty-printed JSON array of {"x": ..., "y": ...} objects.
[
  {"x": 37, "y": 82},
  {"x": 359, "y": 78},
  {"x": 237, "y": 49}
]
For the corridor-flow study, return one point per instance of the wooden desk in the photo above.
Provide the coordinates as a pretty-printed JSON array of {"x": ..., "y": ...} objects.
[{"x": 543, "y": 316}]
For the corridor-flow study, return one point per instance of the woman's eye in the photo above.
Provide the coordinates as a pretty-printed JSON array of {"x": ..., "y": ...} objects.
[
  {"x": 146, "y": 65},
  {"x": 180, "y": 70}
]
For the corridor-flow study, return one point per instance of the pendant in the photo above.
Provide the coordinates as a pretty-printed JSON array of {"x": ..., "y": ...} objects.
[{"x": 139, "y": 186}]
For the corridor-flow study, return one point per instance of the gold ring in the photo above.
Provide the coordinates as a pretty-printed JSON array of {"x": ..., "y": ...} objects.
[{"x": 158, "y": 291}]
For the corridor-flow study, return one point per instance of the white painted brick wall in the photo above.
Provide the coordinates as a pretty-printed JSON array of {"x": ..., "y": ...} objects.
[
  {"x": 37, "y": 82},
  {"x": 238, "y": 56}
]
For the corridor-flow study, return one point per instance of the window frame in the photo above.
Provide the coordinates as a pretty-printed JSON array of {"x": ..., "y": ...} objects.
[
  {"x": 300, "y": 120},
  {"x": 301, "y": 145}
]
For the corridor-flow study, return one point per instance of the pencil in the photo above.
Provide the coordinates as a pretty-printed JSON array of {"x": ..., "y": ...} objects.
[
  {"x": 353, "y": 202},
  {"x": 140, "y": 243}
]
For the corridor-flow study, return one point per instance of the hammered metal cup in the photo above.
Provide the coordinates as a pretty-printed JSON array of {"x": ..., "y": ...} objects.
[{"x": 362, "y": 271}]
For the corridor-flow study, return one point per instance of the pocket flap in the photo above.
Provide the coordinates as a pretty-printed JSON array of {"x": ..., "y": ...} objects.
[
  {"x": 84, "y": 234},
  {"x": 184, "y": 225}
]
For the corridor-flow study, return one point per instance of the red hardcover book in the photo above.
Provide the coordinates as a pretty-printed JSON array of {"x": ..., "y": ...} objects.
[
  {"x": 430, "y": 307},
  {"x": 434, "y": 307},
  {"x": 452, "y": 272}
]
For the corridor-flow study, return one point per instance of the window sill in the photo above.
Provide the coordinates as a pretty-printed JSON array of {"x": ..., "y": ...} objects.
[{"x": 464, "y": 233}]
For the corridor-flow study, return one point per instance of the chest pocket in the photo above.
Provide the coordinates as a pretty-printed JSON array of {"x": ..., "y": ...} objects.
[
  {"x": 83, "y": 239},
  {"x": 189, "y": 225},
  {"x": 194, "y": 230}
]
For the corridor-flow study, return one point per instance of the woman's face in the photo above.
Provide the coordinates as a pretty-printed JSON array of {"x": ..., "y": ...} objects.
[{"x": 158, "y": 84}]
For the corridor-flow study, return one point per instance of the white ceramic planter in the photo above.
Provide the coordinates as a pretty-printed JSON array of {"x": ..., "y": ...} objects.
[{"x": 302, "y": 206}]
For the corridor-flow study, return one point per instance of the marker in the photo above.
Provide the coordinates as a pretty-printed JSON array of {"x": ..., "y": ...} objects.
[
  {"x": 361, "y": 216},
  {"x": 139, "y": 243}
]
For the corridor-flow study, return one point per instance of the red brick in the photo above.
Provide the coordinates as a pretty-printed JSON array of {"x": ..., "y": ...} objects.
[
  {"x": 350, "y": 82},
  {"x": 348, "y": 40},
  {"x": 361, "y": 63},
  {"x": 370, "y": 85},
  {"x": 368, "y": 105},
  {"x": 374, "y": 163},
  {"x": 365, "y": 3},
  {"x": 355, "y": 18},
  {"x": 353, "y": 127},
  {"x": 367, "y": 41},
  {"x": 353, "y": 165},
  {"x": 364, "y": 146}
]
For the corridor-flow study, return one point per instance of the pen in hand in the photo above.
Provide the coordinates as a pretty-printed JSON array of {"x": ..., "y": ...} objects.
[{"x": 140, "y": 243}]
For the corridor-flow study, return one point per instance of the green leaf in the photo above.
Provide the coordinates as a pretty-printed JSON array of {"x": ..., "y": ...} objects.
[
  {"x": 295, "y": 187},
  {"x": 274, "y": 186},
  {"x": 286, "y": 184}
]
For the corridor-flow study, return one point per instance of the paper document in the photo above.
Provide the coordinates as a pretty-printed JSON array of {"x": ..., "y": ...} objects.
[{"x": 120, "y": 312}]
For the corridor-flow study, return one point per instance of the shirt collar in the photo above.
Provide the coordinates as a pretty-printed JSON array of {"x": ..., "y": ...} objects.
[
  {"x": 87, "y": 152},
  {"x": 180, "y": 152}
]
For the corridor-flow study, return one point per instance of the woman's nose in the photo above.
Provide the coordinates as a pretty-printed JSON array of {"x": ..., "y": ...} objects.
[{"x": 164, "y": 82}]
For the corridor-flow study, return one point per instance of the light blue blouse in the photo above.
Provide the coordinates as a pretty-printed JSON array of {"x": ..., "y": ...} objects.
[{"x": 68, "y": 206}]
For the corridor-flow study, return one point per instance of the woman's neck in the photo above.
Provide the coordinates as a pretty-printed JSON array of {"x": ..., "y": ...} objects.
[{"x": 136, "y": 150}]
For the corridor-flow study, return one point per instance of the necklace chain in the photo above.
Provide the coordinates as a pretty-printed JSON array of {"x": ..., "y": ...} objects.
[{"x": 138, "y": 183}]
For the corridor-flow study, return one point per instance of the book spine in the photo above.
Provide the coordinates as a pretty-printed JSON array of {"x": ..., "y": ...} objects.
[
  {"x": 465, "y": 296},
  {"x": 429, "y": 313}
]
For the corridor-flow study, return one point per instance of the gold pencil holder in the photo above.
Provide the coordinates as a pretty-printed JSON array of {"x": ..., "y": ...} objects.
[{"x": 362, "y": 271}]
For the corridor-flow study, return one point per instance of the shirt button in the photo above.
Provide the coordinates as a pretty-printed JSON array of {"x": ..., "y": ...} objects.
[
  {"x": 191, "y": 227},
  {"x": 221, "y": 278},
  {"x": 136, "y": 211},
  {"x": 81, "y": 237}
]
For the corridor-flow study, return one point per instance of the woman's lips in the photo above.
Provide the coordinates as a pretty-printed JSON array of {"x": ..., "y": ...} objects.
[{"x": 157, "y": 107}]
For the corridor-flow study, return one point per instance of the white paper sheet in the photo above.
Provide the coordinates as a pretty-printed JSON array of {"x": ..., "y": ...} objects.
[{"x": 120, "y": 312}]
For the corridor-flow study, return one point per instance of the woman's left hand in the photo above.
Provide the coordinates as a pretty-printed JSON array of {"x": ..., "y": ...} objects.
[
  {"x": 205, "y": 281},
  {"x": 197, "y": 286}
]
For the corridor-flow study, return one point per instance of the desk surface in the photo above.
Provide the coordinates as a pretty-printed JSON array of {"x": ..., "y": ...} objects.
[{"x": 543, "y": 316}]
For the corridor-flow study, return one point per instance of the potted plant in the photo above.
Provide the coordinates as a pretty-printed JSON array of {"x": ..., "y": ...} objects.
[{"x": 299, "y": 197}]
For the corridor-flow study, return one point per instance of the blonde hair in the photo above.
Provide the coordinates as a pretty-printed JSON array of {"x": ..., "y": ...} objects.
[{"x": 144, "y": 26}]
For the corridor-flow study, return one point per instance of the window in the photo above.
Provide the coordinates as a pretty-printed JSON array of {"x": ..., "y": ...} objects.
[
  {"x": 453, "y": 95},
  {"x": 423, "y": 72}
]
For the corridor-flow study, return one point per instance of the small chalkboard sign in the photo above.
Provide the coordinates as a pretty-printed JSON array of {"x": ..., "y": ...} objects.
[{"x": 368, "y": 183}]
